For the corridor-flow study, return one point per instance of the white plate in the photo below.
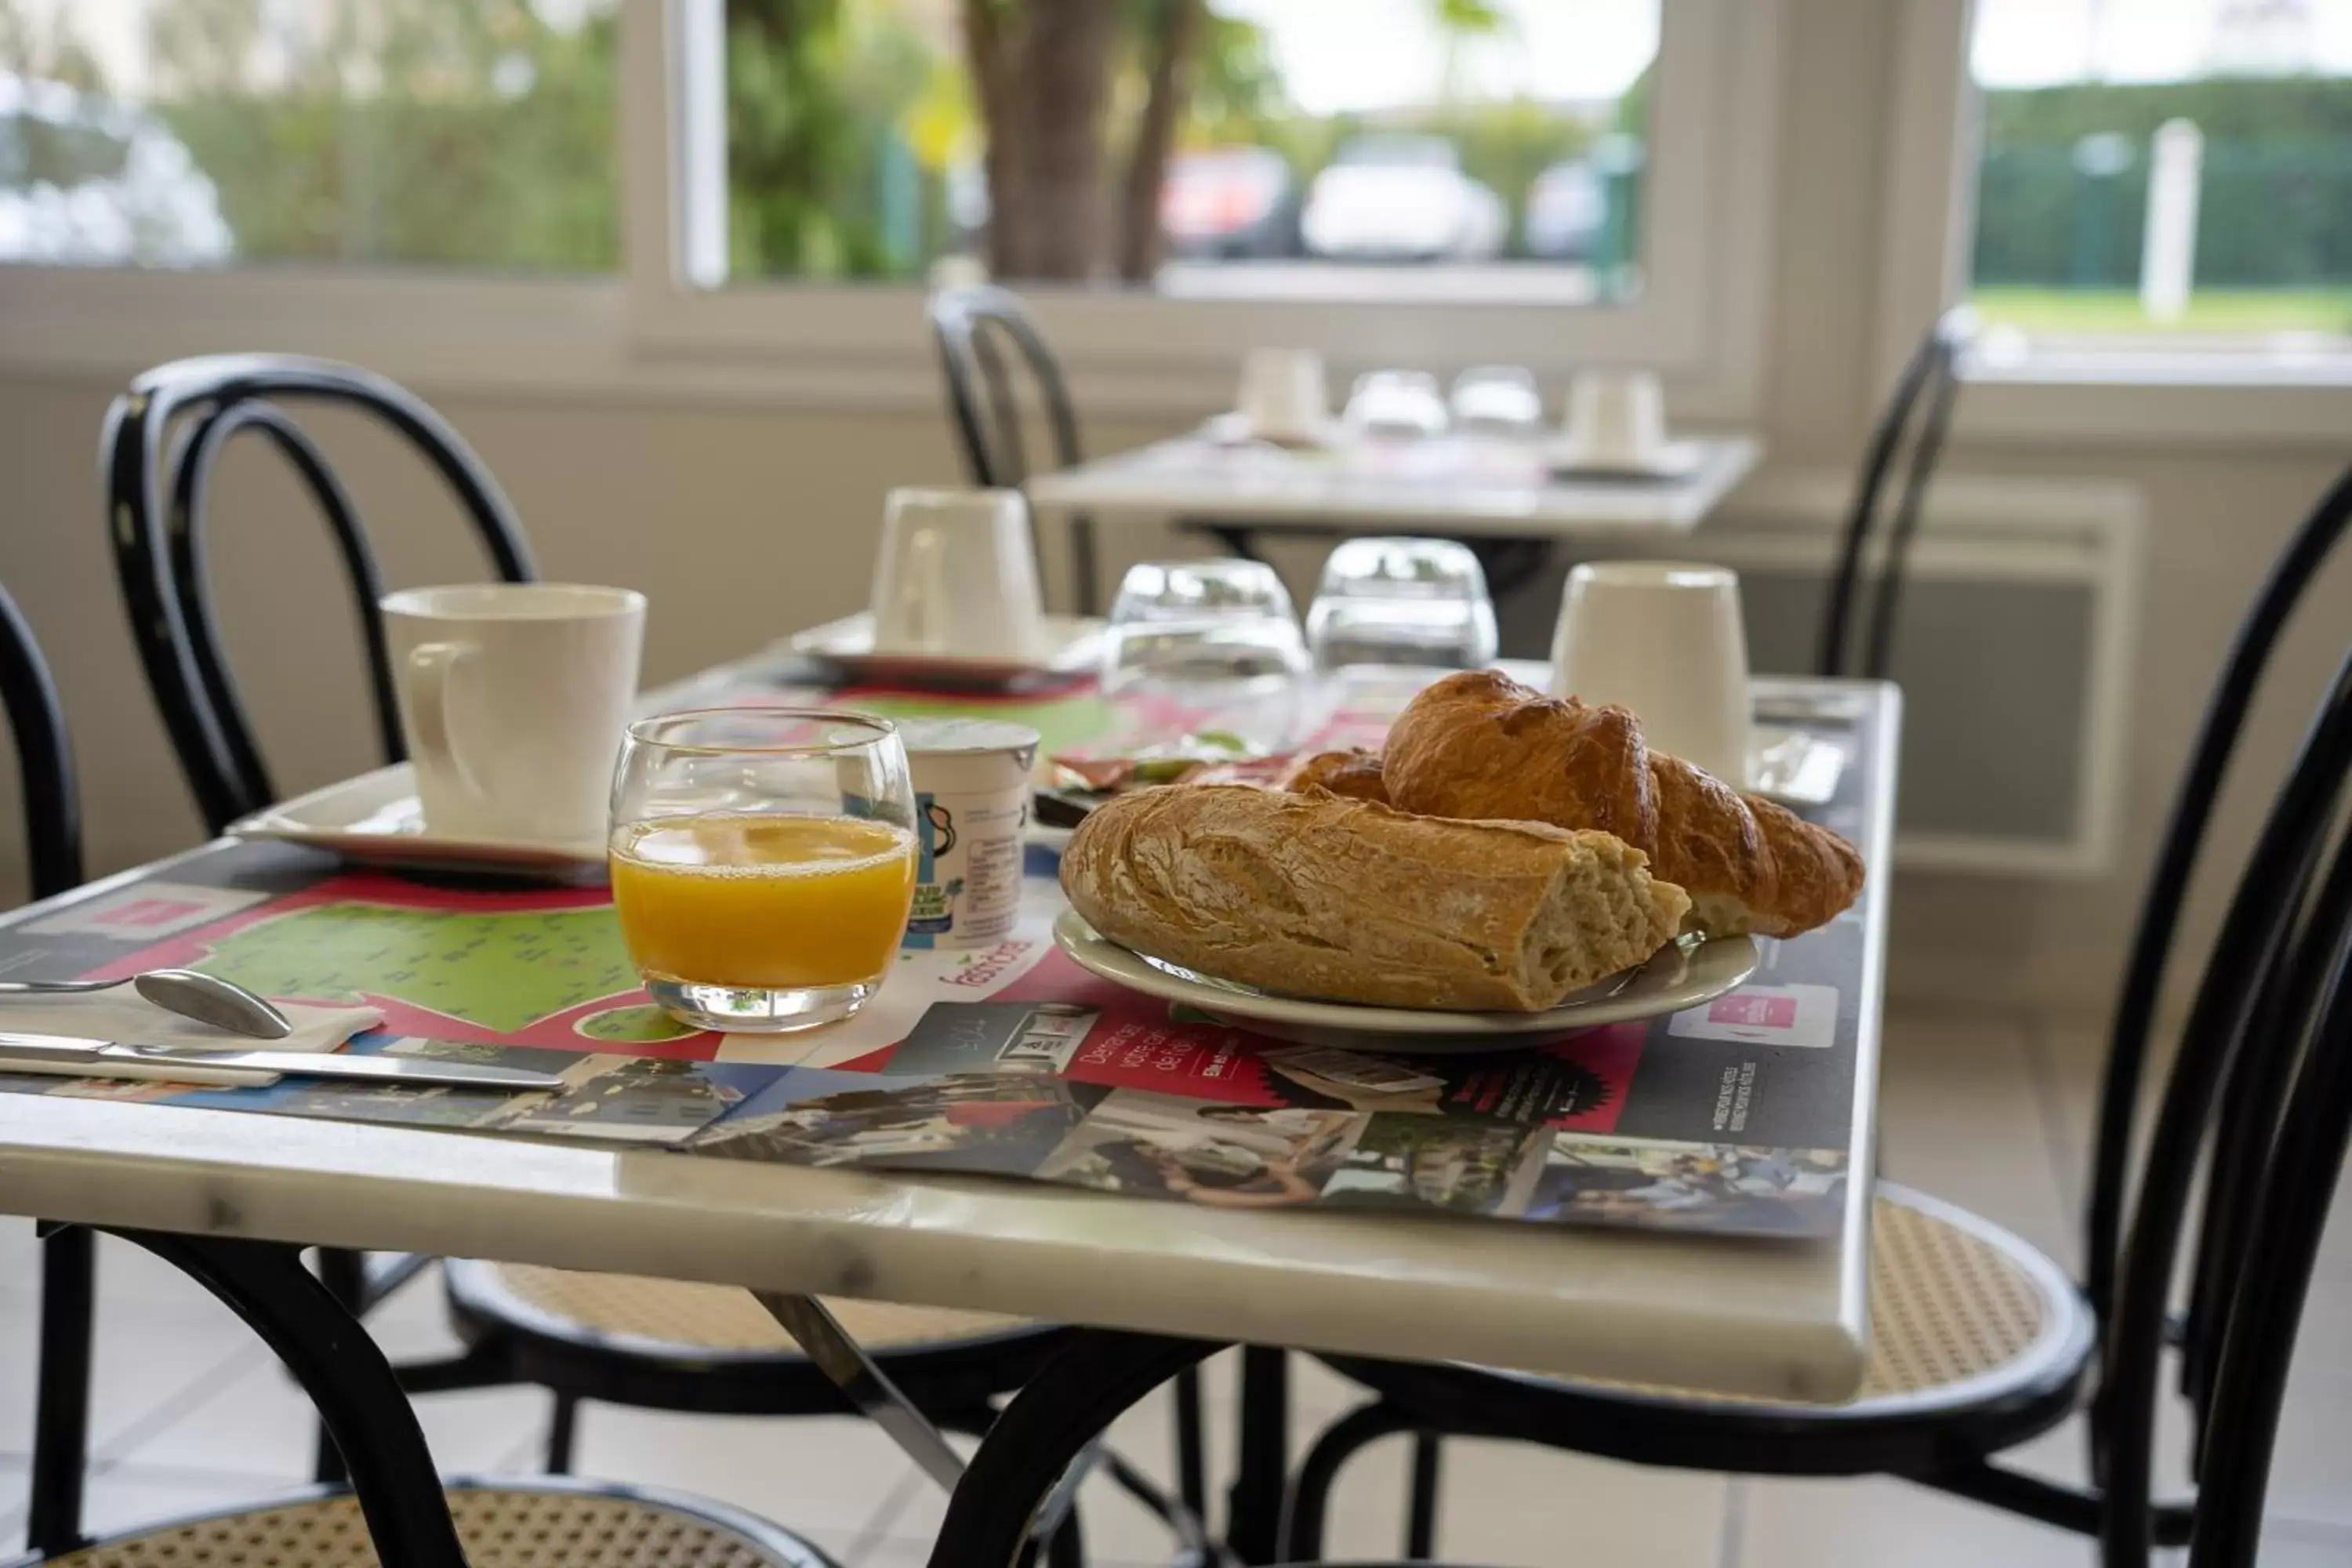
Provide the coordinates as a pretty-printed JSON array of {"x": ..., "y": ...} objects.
[
  {"x": 374, "y": 820},
  {"x": 846, "y": 646},
  {"x": 1675, "y": 460},
  {"x": 1675, "y": 979}
]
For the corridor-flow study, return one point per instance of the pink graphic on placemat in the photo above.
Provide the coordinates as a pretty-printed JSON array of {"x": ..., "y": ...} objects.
[
  {"x": 1755, "y": 1009},
  {"x": 149, "y": 913}
]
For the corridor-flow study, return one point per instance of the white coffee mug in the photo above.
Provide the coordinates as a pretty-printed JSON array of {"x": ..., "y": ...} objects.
[
  {"x": 957, "y": 574},
  {"x": 1664, "y": 638},
  {"x": 1284, "y": 394},
  {"x": 514, "y": 696},
  {"x": 1616, "y": 418}
]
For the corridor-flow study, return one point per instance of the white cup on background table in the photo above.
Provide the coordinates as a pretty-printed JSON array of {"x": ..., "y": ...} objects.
[
  {"x": 1666, "y": 640},
  {"x": 514, "y": 696},
  {"x": 1283, "y": 394},
  {"x": 957, "y": 574},
  {"x": 1616, "y": 419}
]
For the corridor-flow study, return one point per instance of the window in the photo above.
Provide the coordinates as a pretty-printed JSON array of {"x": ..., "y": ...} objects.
[
  {"x": 1226, "y": 148},
  {"x": 473, "y": 133},
  {"x": 2164, "y": 174}
]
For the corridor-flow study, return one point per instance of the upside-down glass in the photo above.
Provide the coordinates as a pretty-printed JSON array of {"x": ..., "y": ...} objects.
[
  {"x": 1497, "y": 400},
  {"x": 763, "y": 862},
  {"x": 1401, "y": 404},
  {"x": 1218, "y": 640},
  {"x": 1401, "y": 602}
]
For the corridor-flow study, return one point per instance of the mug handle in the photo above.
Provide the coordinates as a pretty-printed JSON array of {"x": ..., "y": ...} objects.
[{"x": 430, "y": 667}]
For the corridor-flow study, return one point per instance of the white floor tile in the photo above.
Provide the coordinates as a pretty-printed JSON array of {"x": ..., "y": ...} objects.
[
  {"x": 119, "y": 1501},
  {"x": 1959, "y": 1119}
]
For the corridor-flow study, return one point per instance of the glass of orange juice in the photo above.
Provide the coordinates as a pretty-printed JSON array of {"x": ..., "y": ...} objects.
[{"x": 762, "y": 860}]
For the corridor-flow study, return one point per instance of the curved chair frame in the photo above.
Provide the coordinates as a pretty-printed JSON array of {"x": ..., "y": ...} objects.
[
  {"x": 155, "y": 483},
  {"x": 973, "y": 326}
]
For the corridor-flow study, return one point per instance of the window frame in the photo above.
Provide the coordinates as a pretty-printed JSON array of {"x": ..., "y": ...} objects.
[
  {"x": 647, "y": 331},
  {"x": 2122, "y": 398}
]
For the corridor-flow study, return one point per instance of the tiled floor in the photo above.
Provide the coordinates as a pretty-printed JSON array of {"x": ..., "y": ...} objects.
[{"x": 1990, "y": 1111}]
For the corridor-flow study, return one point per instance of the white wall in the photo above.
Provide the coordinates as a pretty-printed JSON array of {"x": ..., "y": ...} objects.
[{"x": 743, "y": 523}]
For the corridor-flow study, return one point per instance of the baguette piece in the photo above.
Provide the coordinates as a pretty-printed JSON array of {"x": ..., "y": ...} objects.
[
  {"x": 1481, "y": 745},
  {"x": 1314, "y": 895}
]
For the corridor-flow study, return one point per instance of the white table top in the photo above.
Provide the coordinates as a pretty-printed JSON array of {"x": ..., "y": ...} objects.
[
  {"x": 1451, "y": 484},
  {"x": 1774, "y": 1319}
]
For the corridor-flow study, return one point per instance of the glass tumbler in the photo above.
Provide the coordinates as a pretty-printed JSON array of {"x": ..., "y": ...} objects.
[
  {"x": 1412, "y": 603},
  {"x": 762, "y": 862}
]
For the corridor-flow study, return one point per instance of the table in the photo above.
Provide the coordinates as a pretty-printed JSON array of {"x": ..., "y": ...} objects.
[
  {"x": 1493, "y": 494},
  {"x": 1166, "y": 1283}
]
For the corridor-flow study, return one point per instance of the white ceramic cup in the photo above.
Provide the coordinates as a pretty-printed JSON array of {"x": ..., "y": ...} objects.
[
  {"x": 957, "y": 574},
  {"x": 1664, "y": 638},
  {"x": 1616, "y": 418},
  {"x": 514, "y": 696},
  {"x": 1283, "y": 392}
]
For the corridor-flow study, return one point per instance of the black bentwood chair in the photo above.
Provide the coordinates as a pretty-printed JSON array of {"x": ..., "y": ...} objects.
[
  {"x": 517, "y": 1523},
  {"x": 623, "y": 1339},
  {"x": 974, "y": 326},
  {"x": 1917, "y": 415},
  {"x": 1978, "y": 1342}
]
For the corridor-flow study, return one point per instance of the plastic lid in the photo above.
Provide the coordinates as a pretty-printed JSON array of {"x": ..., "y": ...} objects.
[{"x": 936, "y": 737}]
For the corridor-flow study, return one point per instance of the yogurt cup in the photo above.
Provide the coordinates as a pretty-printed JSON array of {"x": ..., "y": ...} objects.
[{"x": 971, "y": 803}]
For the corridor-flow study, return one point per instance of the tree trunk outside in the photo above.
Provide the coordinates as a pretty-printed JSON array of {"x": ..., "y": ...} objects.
[
  {"x": 1042, "y": 70},
  {"x": 1175, "y": 37}
]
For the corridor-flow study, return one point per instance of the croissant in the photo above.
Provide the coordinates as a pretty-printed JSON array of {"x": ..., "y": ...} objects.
[
  {"x": 1355, "y": 774},
  {"x": 1481, "y": 746}
]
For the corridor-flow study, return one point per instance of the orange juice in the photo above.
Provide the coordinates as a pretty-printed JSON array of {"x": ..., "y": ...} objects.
[{"x": 752, "y": 902}]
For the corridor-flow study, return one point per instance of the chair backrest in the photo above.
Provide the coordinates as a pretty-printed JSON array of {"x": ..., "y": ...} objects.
[
  {"x": 1918, "y": 410},
  {"x": 163, "y": 438},
  {"x": 2284, "y": 1220},
  {"x": 2239, "y": 1049},
  {"x": 45, "y": 766},
  {"x": 977, "y": 327}
]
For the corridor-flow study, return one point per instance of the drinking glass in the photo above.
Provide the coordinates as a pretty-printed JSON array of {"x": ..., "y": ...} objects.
[
  {"x": 1402, "y": 603},
  {"x": 1401, "y": 403},
  {"x": 1216, "y": 639},
  {"x": 762, "y": 861},
  {"x": 1497, "y": 400}
]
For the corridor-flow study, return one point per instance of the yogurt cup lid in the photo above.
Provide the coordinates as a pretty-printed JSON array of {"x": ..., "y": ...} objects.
[{"x": 948, "y": 737}]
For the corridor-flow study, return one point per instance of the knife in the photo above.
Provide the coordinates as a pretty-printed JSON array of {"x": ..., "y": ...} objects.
[{"x": 306, "y": 1064}]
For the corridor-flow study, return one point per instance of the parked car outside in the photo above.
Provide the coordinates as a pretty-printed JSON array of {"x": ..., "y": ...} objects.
[
  {"x": 88, "y": 182},
  {"x": 1568, "y": 205},
  {"x": 1401, "y": 198},
  {"x": 1230, "y": 202}
]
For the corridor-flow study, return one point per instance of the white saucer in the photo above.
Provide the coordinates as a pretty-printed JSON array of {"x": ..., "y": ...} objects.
[
  {"x": 374, "y": 820},
  {"x": 846, "y": 648},
  {"x": 1233, "y": 428},
  {"x": 1564, "y": 460},
  {"x": 1676, "y": 978}
]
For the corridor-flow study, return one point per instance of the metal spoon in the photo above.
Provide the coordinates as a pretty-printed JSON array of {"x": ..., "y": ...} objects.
[{"x": 207, "y": 999}]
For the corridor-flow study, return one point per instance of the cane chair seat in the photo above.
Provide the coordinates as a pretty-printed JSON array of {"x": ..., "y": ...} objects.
[{"x": 521, "y": 1525}]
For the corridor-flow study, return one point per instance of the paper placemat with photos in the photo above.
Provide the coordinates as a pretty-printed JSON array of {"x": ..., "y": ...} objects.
[{"x": 1736, "y": 1117}]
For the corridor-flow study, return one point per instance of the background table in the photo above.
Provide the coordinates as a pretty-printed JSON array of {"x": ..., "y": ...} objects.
[{"x": 1493, "y": 494}]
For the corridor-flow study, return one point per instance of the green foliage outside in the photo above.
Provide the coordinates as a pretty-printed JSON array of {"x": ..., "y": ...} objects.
[
  {"x": 477, "y": 132},
  {"x": 2275, "y": 201},
  {"x": 2212, "y": 312}
]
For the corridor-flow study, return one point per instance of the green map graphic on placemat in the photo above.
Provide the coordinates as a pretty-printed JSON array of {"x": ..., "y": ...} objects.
[
  {"x": 502, "y": 971},
  {"x": 1061, "y": 722}
]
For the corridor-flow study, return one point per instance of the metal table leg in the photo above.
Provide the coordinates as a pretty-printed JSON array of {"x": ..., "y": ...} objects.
[
  {"x": 347, "y": 1378},
  {"x": 1051, "y": 1422}
]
